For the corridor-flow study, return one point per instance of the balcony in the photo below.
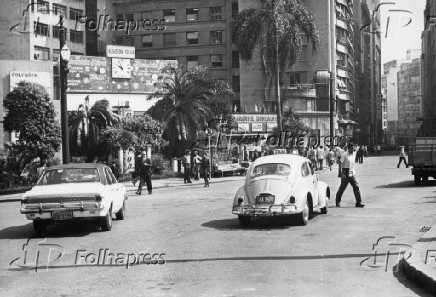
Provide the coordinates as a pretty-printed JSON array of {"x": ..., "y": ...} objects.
[{"x": 300, "y": 91}]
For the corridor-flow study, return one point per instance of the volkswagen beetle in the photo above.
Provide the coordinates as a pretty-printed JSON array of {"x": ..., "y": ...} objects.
[{"x": 281, "y": 185}]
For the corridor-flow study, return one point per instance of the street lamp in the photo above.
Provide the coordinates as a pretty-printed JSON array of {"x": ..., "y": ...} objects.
[{"x": 64, "y": 59}]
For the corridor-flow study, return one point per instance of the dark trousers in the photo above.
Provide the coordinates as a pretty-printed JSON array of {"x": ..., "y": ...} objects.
[
  {"x": 206, "y": 178},
  {"x": 147, "y": 180},
  {"x": 360, "y": 159},
  {"x": 196, "y": 171},
  {"x": 187, "y": 174},
  {"x": 321, "y": 163},
  {"x": 345, "y": 179},
  {"x": 402, "y": 159}
]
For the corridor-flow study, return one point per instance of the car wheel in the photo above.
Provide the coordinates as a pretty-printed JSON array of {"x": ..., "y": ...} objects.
[
  {"x": 324, "y": 210},
  {"x": 106, "y": 224},
  {"x": 303, "y": 217},
  {"x": 417, "y": 180},
  {"x": 244, "y": 220},
  {"x": 121, "y": 214},
  {"x": 39, "y": 226}
]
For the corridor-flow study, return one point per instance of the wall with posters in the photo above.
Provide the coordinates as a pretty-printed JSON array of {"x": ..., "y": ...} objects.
[{"x": 94, "y": 75}]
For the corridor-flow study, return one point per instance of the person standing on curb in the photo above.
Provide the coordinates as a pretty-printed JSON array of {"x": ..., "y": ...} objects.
[
  {"x": 330, "y": 158},
  {"x": 145, "y": 174},
  {"x": 205, "y": 168},
  {"x": 197, "y": 163},
  {"x": 402, "y": 157},
  {"x": 320, "y": 154},
  {"x": 348, "y": 175},
  {"x": 186, "y": 161}
]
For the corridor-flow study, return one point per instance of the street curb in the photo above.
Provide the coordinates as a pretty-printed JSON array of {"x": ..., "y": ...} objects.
[{"x": 413, "y": 265}]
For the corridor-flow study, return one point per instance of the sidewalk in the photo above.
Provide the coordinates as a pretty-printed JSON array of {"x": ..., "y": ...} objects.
[{"x": 419, "y": 264}]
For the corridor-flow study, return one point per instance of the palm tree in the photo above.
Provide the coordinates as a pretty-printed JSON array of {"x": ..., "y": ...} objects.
[
  {"x": 86, "y": 123},
  {"x": 185, "y": 110},
  {"x": 282, "y": 22}
]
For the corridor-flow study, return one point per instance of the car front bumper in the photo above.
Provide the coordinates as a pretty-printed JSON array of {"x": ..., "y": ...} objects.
[
  {"x": 266, "y": 210},
  {"x": 80, "y": 210}
]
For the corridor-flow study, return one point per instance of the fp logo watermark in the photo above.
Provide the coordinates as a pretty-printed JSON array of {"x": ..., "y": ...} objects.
[
  {"x": 38, "y": 254},
  {"x": 387, "y": 254},
  {"x": 396, "y": 17}
]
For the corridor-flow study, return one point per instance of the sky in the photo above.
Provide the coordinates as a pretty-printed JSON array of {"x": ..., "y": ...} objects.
[{"x": 397, "y": 37}]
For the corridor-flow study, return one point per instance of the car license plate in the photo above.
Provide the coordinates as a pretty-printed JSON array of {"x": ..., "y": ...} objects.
[
  {"x": 265, "y": 199},
  {"x": 61, "y": 216}
]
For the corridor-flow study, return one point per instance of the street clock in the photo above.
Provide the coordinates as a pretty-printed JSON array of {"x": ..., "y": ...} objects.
[{"x": 121, "y": 68}]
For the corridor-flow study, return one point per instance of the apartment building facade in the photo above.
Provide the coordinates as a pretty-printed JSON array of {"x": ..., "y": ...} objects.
[
  {"x": 194, "y": 32},
  {"x": 429, "y": 70},
  {"x": 409, "y": 101}
]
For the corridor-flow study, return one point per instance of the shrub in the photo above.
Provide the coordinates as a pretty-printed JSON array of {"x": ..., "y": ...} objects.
[{"x": 157, "y": 164}]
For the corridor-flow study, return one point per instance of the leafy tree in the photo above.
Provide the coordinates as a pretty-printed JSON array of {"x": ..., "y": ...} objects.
[
  {"x": 291, "y": 122},
  {"x": 134, "y": 132},
  {"x": 86, "y": 124},
  {"x": 282, "y": 22},
  {"x": 31, "y": 113}
]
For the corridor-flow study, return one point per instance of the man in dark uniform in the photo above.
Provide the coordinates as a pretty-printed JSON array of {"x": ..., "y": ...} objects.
[{"x": 145, "y": 174}]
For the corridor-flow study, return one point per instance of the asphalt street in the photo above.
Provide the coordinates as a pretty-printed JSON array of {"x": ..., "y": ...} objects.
[{"x": 207, "y": 253}]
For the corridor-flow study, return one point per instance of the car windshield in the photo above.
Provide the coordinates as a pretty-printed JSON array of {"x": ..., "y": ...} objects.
[
  {"x": 70, "y": 175},
  {"x": 271, "y": 169}
]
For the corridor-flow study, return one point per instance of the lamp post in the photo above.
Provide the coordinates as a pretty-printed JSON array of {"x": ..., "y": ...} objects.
[
  {"x": 332, "y": 105},
  {"x": 64, "y": 59}
]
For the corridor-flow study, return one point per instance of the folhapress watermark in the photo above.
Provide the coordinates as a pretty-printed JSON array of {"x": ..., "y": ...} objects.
[{"x": 39, "y": 255}]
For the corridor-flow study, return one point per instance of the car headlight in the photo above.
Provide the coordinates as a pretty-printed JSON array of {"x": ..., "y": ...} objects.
[{"x": 292, "y": 199}]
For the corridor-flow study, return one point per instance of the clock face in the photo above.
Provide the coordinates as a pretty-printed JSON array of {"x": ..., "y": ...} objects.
[{"x": 121, "y": 68}]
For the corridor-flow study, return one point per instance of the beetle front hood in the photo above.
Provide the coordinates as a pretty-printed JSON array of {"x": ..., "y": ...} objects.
[{"x": 279, "y": 187}]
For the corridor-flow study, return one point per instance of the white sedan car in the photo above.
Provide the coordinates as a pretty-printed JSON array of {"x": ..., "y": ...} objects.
[
  {"x": 85, "y": 191},
  {"x": 281, "y": 185}
]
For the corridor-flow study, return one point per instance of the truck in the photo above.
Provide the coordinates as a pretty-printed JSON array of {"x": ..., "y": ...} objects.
[{"x": 422, "y": 156}]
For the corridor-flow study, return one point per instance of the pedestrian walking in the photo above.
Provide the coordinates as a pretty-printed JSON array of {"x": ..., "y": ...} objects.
[
  {"x": 312, "y": 157},
  {"x": 348, "y": 175},
  {"x": 197, "y": 163},
  {"x": 145, "y": 174},
  {"x": 402, "y": 157},
  {"x": 365, "y": 151},
  {"x": 186, "y": 161},
  {"x": 136, "y": 172},
  {"x": 320, "y": 154},
  {"x": 330, "y": 158},
  {"x": 115, "y": 167},
  {"x": 205, "y": 168}
]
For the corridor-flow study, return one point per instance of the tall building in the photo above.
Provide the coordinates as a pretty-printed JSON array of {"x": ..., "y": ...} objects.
[
  {"x": 429, "y": 70},
  {"x": 302, "y": 87},
  {"x": 409, "y": 101},
  {"x": 194, "y": 32},
  {"x": 30, "y": 29}
]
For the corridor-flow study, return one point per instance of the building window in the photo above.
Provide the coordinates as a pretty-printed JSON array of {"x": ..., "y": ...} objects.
[
  {"x": 56, "y": 32},
  {"x": 191, "y": 61},
  {"x": 236, "y": 84},
  {"x": 41, "y": 53},
  {"x": 192, "y": 37},
  {"x": 294, "y": 78},
  {"x": 56, "y": 57},
  {"x": 146, "y": 15},
  {"x": 119, "y": 40},
  {"x": 192, "y": 14},
  {"x": 215, "y": 14},
  {"x": 75, "y": 14},
  {"x": 76, "y": 36},
  {"x": 119, "y": 17},
  {"x": 130, "y": 41},
  {"x": 41, "y": 29},
  {"x": 169, "y": 15},
  {"x": 147, "y": 40},
  {"x": 235, "y": 9},
  {"x": 130, "y": 17},
  {"x": 216, "y": 37},
  {"x": 169, "y": 39},
  {"x": 216, "y": 60},
  {"x": 61, "y": 10},
  {"x": 235, "y": 59},
  {"x": 42, "y": 7}
]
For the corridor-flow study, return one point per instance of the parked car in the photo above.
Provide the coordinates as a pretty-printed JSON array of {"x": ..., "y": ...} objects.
[
  {"x": 84, "y": 191},
  {"x": 281, "y": 185}
]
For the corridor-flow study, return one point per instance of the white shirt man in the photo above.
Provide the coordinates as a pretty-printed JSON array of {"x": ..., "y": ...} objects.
[{"x": 348, "y": 161}]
